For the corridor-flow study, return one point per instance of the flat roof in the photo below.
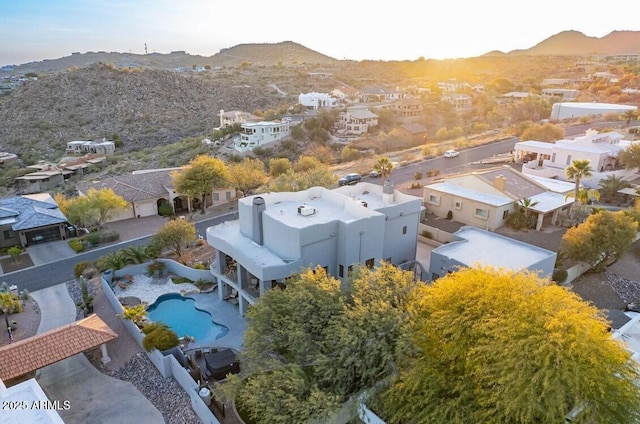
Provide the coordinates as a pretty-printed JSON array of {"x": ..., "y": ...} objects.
[
  {"x": 557, "y": 186},
  {"x": 549, "y": 201},
  {"x": 480, "y": 247},
  {"x": 455, "y": 190},
  {"x": 537, "y": 144},
  {"x": 28, "y": 392}
]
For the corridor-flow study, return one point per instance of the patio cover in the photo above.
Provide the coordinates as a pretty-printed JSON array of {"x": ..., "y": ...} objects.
[{"x": 44, "y": 349}]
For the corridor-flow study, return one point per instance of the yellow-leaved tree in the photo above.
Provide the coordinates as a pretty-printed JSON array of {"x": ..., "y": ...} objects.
[{"x": 488, "y": 345}]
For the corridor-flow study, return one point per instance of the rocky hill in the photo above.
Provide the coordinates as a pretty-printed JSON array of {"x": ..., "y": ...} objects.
[
  {"x": 286, "y": 53},
  {"x": 575, "y": 43},
  {"x": 140, "y": 107}
]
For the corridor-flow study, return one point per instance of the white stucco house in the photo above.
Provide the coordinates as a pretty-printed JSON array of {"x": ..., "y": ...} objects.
[
  {"x": 356, "y": 121},
  {"x": 254, "y": 134},
  {"x": 567, "y": 110},
  {"x": 101, "y": 147},
  {"x": 473, "y": 246},
  {"x": 551, "y": 159},
  {"x": 317, "y": 101},
  {"x": 278, "y": 235}
]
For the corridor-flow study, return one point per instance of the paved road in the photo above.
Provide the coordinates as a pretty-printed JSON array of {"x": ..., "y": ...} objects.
[{"x": 50, "y": 274}]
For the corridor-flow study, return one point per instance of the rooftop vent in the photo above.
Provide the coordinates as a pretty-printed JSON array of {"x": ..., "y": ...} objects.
[
  {"x": 305, "y": 210},
  {"x": 363, "y": 203}
]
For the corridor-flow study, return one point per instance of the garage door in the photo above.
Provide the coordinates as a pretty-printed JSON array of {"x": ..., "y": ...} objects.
[{"x": 146, "y": 209}]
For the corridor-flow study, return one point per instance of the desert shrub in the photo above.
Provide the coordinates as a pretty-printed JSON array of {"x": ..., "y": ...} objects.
[
  {"x": 92, "y": 238},
  {"x": 161, "y": 338},
  {"x": 107, "y": 235},
  {"x": 560, "y": 275},
  {"x": 426, "y": 151},
  {"x": 449, "y": 215},
  {"x": 181, "y": 280},
  {"x": 517, "y": 221},
  {"x": 79, "y": 268},
  {"x": 155, "y": 266},
  {"x": 77, "y": 245},
  {"x": 199, "y": 265},
  {"x": 417, "y": 175},
  {"x": 426, "y": 234},
  {"x": 165, "y": 210},
  {"x": 415, "y": 185}
]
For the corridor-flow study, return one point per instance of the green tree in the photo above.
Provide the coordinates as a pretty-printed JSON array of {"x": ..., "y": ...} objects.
[
  {"x": 14, "y": 252},
  {"x": 485, "y": 345},
  {"x": 349, "y": 154},
  {"x": 630, "y": 156},
  {"x": 384, "y": 166},
  {"x": 601, "y": 240},
  {"x": 579, "y": 168},
  {"x": 247, "y": 175},
  {"x": 80, "y": 212},
  {"x": 297, "y": 181},
  {"x": 307, "y": 163},
  {"x": 176, "y": 235},
  {"x": 200, "y": 176},
  {"x": 113, "y": 260},
  {"x": 278, "y": 166},
  {"x": 105, "y": 202},
  {"x": 137, "y": 254},
  {"x": 527, "y": 204}
]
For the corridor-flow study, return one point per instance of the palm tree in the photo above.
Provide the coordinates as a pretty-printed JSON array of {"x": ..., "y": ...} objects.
[
  {"x": 578, "y": 169},
  {"x": 112, "y": 260},
  {"x": 527, "y": 204},
  {"x": 136, "y": 254},
  {"x": 585, "y": 195},
  {"x": 629, "y": 115},
  {"x": 609, "y": 186},
  {"x": 384, "y": 166}
]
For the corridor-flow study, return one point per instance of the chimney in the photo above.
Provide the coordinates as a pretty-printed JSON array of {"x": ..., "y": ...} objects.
[
  {"x": 258, "y": 207},
  {"x": 387, "y": 192},
  {"x": 500, "y": 182}
]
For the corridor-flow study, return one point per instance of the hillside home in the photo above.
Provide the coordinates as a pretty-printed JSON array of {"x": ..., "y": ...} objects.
[
  {"x": 485, "y": 198},
  {"x": 560, "y": 94},
  {"x": 279, "y": 234},
  {"x": 459, "y": 101},
  {"x": 452, "y": 85},
  {"x": 410, "y": 134},
  {"x": 569, "y": 110},
  {"x": 145, "y": 191},
  {"x": 39, "y": 181},
  {"x": 346, "y": 94},
  {"x": 316, "y": 101},
  {"x": 377, "y": 94},
  {"x": 356, "y": 121},
  {"x": 408, "y": 108},
  {"x": 254, "y": 134},
  {"x": 513, "y": 96},
  {"x": 104, "y": 147},
  {"x": 8, "y": 159},
  {"x": 233, "y": 117},
  {"x": 551, "y": 159},
  {"x": 472, "y": 246},
  {"x": 31, "y": 219}
]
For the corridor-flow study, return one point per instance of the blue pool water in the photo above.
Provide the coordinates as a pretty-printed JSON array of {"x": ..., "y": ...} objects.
[{"x": 184, "y": 318}]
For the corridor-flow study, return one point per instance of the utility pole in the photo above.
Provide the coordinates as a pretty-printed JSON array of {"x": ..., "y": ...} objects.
[{"x": 145, "y": 49}]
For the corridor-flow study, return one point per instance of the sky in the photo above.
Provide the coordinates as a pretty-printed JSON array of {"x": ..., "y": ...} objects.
[{"x": 33, "y": 30}]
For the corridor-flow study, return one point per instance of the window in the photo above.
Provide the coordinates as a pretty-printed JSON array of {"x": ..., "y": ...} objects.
[
  {"x": 568, "y": 160},
  {"x": 457, "y": 204},
  {"x": 553, "y": 157},
  {"x": 505, "y": 214},
  {"x": 228, "y": 195},
  {"x": 404, "y": 229},
  {"x": 9, "y": 234},
  {"x": 341, "y": 270},
  {"x": 216, "y": 197},
  {"x": 433, "y": 199},
  {"x": 481, "y": 213},
  {"x": 369, "y": 263}
]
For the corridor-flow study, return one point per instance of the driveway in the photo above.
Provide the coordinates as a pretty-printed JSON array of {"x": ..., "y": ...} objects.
[{"x": 94, "y": 397}]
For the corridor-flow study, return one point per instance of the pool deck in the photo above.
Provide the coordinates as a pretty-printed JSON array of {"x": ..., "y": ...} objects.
[{"x": 222, "y": 312}]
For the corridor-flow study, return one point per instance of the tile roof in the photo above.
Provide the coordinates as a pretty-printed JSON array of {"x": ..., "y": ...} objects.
[
  {"x": 31, "y": 213},
  {"x": 135, "y": 187},
  {"x": 43, "y": 349}
]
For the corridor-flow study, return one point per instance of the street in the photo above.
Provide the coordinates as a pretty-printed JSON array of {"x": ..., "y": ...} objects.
[{"x": 43, "y": 276}]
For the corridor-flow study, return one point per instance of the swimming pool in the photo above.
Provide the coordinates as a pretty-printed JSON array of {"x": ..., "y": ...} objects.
[{"x": 180, "y": 313}]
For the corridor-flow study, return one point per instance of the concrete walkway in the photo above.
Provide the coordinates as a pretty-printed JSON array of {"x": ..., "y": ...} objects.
[{"x": 94, "y": 397}]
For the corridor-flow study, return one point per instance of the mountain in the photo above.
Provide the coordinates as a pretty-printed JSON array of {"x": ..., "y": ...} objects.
[
  {"x": 140, "y": 107},
  {"x": 575, "y": 43},
  {"x": 286, "y": 53}
]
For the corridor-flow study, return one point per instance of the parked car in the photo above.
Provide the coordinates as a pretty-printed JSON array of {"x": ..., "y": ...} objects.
[
  {"x": 349, "y": 179},
  {"x": 451, "y": 154},
  {"x": 374, "y": 174}
]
